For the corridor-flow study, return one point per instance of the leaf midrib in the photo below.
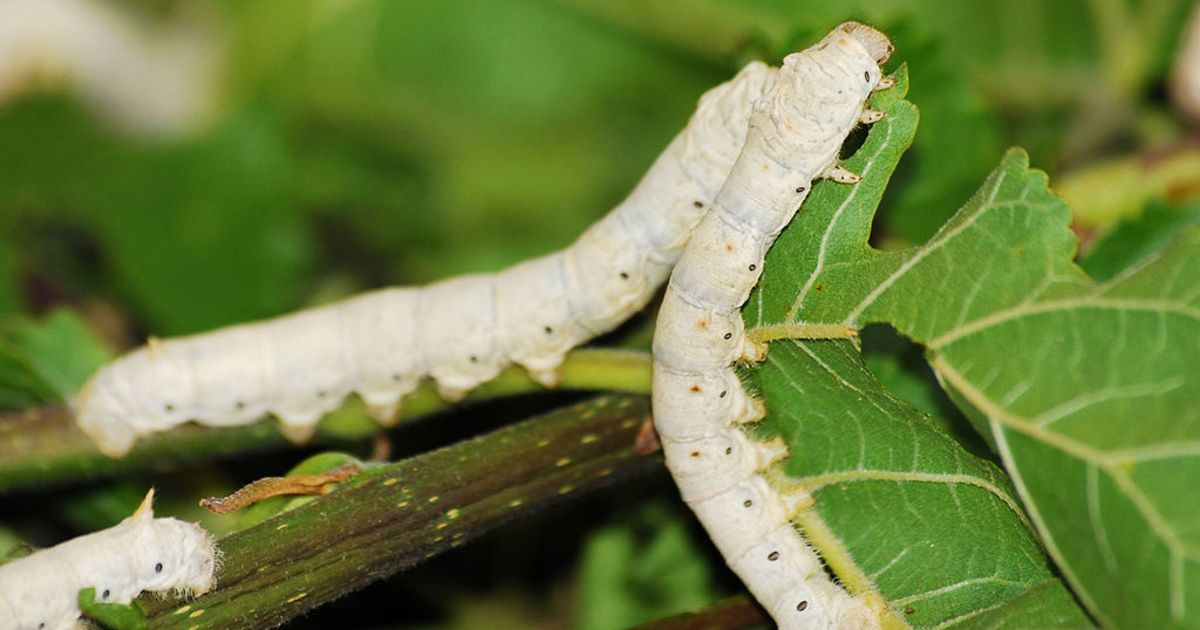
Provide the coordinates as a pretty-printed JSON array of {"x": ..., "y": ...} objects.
[{"x": 1177, "y": 549}]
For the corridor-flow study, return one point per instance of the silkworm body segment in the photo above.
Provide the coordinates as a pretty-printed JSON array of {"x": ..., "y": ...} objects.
[
  {"x": 796, "y": 132},
  {"x": 459, "y": 332}
]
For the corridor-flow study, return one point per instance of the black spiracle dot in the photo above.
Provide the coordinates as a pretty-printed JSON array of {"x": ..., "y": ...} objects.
[
  {"x": 396, "y": 378},
  {"x": 158, "y": 567},
  {"x": 800, "y": 189},
  {"x": 42, "y": 626},
  {"x": 747, "y": 503},
  {"x": 698, "y": 204},
  {"x": 802, "y": 605},
  {"x": 729, "y": 450},
  {"x": 105, "y": 594},
  {"x": 728, "y": 336},
  {"x": 548, "y": 330},
  {"x": 239, "y": 405},
  {"x": 867, "y": 76},
  {"x": 723, "y": 392},
  {"x": 753, "y": 267},
  {"x": 474, "y": 359},
  {"x": 624, "y": 275},
  {"x": 169, "y": 407},
  {"x": 320, "y": 393},
  {"x": 773, "y": 556}
]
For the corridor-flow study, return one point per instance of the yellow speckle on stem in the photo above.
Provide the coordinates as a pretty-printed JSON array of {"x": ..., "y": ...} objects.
[
  {"x": 183, "y": 609},
  {"x": 543, "y": 443},
  {"x": 565, "y": 461},
  {"x": 196, "y": 613},
  {"x": 588, "y": 439},
  {"x": 295, "y": 598},
  {"x": 452, "y": 514},
  {"x": 391, "y": 482},
  {"x": 515, "y": 503},
  {"x": 434, "y": 498}
]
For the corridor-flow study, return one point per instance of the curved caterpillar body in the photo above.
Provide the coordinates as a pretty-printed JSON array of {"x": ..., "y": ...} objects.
[
  {"x": 796, "y": 131},
  {"x": 460, "y": 332},
  {"x": 141, "y": 553},
  {"x": 1185, "y": 76}
]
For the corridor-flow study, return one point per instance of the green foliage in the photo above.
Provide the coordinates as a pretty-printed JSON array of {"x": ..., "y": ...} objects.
[
  {"x": 369, "y": 143},
  {"x": 114, "y": 616},
  {"x": 1137, "y": 240},
  {"x": 46, "y": 360},
  {"x": 867, "y": 456},
  {"x": 1084, "y": 390},
  {"x": 639, "y": 569}
]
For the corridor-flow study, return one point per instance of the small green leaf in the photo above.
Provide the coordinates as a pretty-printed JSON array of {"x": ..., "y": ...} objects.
[
  {"x": 115, "y": 616},
  {"x": 46, "y": 360},
  {"x": 61, "y": 350}
]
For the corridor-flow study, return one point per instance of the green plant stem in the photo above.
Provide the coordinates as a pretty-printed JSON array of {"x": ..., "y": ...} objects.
[
  {"x": 43, "y": 446},
  {"x": 729, "y": 614},
  {"x": 393, "y": 516}
]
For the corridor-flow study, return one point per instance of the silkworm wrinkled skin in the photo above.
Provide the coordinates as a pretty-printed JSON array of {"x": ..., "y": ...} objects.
[
  {"x": 141, "y": 553},
  {"x": 460, "y": 332},
  {"x": 796, "y": 131}
]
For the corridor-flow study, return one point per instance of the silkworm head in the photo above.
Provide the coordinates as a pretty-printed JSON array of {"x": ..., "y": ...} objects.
[
  {"x": 174, "y": 555},
  {"x": 877, "y": 44}
]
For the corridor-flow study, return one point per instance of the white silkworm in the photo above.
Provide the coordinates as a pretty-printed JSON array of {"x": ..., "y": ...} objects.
[
  {"x": 1185, "y": 76},
  {"x": 460, "y": 332},
  {"x": 157, "y": 80},
  {"x": 796, "y": 131},
  {"x": 141, "y": 553}
]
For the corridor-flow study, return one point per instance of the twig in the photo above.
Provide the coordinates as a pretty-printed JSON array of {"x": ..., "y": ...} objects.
[
  {"x": 391, "y": 517},
  {"x": 43, "y": 446},
  {"x": 730, "y": 614}
]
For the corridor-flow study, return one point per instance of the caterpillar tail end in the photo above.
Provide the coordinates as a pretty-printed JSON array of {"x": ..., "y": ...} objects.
[{"x": 107, "y": 429}]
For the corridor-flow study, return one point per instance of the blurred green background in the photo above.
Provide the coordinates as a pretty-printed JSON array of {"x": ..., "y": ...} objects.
[{"x": 351, "y": 144}]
